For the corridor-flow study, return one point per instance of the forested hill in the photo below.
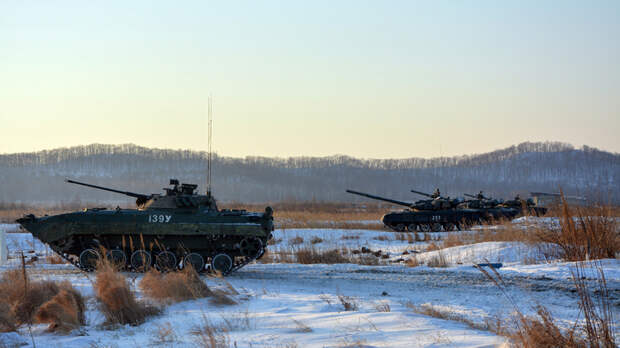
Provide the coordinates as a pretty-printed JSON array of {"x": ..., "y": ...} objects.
[{"x": 38, "y": 177}]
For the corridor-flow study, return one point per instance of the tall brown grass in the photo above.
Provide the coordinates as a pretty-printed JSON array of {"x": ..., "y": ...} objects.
[
  {"x": 64, "y": 312},
  {"x": 542, "y": 330},
  {"x": 174, "y": 286},
  {"x": 316, "y": 256},
  {"x": 210, "y": 336},
  {"x": 584, "y": 237},
  {"x": 322, "y": 214},
  {"x": 118, "y": 302},
  {"x": 23, "y": 301}
]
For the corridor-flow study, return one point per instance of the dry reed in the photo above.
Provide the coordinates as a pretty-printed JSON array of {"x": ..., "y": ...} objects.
[
  {"x": 174, "y": 286},
  {"x": 118, "y": 302}
]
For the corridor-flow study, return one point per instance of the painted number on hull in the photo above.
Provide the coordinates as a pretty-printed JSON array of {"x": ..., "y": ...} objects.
[
  {"x": 436, "y": 218},
  {"x": 159, "y": 218}
]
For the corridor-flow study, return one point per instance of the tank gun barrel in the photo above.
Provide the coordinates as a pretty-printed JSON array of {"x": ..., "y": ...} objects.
[
  {"x": 139, "y": 196},
  {"x": 422, "y": 193},
  {"x": 380, "y": 198}
]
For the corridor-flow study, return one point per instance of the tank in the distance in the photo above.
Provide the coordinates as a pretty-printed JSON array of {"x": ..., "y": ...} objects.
[
  {"x": 439, "y": 213},
  {"x": 166, "y": 231}
]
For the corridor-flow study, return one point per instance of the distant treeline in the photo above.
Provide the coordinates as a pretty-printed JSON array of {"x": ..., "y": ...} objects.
[{"x": 38, "y": 177}]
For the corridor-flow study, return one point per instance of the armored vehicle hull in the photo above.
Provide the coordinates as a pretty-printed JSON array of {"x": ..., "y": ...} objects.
[
  {"x": 445, "y": 214},
  {"x": 166, "y": 232},
  {"x": 447, "y": 220}
]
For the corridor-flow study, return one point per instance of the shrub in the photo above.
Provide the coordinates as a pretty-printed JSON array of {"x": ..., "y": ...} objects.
[
  {"x": 210, "y": 336},
  {"x": 24, "y": 302},
  {"x": 438, "y": 260},
  {"x": 582, "y": 237},
  {"x": 542, "y": 331},
  {"x": 174, "y": 286},
  {"x": 348, "y": 303},
  {"x": 313, "y": 256},
  {"x": 64, "y": 312},
  {"x": 118, "y": 302},
  {"x": 316, "y": 240}
]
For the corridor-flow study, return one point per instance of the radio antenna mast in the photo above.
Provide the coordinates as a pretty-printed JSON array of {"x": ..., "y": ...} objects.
[{"x": 209, "y": 155}]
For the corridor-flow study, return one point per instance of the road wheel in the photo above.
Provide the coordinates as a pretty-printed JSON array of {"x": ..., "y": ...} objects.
[
  {"x": 166, "y": 261},
  {"x": 412, "y": 227},
  {"x": 222, "y": 263},
  {"x": 425, "y": 228},
  {"x": 400, "y": 227},
  {"x": 195, "y": 260},
  {"x": 117, "y": 257},
  {"x": 88, "y": 259},
  {"x": 141, "y": 260},
  {"x": 436, "y": 227}
]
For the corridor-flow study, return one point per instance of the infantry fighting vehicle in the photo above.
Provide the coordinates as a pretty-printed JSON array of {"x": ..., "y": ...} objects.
[
  {"x": 437, "y": 213},
  {"x": 166, "y": 231}
]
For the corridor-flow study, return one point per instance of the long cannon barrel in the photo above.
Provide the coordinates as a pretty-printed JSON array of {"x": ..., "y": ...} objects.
[
  {"x": 139, "y": 196},
  {"x": 422, "y": 193},
  {"x": 380, "y": 198}
]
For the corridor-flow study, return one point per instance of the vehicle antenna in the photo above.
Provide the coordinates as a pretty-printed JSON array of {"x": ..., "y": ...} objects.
[{"x": 209, "y": 155}]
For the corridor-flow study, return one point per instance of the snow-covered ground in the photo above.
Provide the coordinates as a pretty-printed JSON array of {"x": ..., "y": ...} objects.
[{"x": 288, "y": 305}]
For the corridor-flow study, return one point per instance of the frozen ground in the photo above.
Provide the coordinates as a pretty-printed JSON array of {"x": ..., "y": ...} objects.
[{"x": 287, "y": 305}]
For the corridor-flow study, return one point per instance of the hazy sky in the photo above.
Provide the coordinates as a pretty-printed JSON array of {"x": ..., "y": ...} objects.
[{"x": 375, "y": 79}]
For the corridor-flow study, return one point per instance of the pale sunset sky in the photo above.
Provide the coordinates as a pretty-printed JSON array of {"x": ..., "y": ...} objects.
[{"x": 371, "y": 79}]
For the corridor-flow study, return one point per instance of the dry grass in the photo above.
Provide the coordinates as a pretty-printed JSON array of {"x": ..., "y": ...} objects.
[
  {"x": 296, "y": 240},
  {"x": 221, "y": 298},
  {"x": 315, "y": 256},
  {"x": 118, "y": 302},
  {"x": 174, "y": 286},
  {"x": 322, "y": 214},
  {"x": 316, "y": 240},
  {"x": 412, "y": 261},
  {"x": 382, "y": 238},
  {"x": 542, "y": 331},
  {"x": 64, "y": 312},
  {"x": 164, "y": 334},
  {"x": 210, "y": 336},
  {"x": 23, "y": 301},
  {"x": 438, "y": 260},
  {"x": 55, "y": 260},
  {"x": 348, "y": 303},
  {"x": 495, "y": 326},
  {"x": 584, "y": 234},
  {"x": 7, "y": 319}
]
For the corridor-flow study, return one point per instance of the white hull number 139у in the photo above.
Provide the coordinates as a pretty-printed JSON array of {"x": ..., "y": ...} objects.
[{"x": 159, "y": 218}]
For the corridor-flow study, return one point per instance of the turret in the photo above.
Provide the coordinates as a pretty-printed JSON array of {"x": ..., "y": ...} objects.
[{"x": 180, "y": 196}]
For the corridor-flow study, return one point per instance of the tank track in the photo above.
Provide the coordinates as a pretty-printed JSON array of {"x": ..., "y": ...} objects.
[{"x": 236, "y": 266}]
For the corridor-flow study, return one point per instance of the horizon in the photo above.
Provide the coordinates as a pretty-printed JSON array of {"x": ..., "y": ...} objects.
[
  {"x": 370, "y": 80},
  {"x": 574, "y": 147}
]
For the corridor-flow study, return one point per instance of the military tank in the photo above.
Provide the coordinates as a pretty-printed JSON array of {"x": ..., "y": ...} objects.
[
  {"x": 436, "y": 214},
  {"x": 166, "y": 231},
  {"x": 526, "y": 206}
]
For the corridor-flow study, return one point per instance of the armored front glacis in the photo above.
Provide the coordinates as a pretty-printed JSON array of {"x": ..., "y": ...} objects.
[{"x": 167, "y": 231}]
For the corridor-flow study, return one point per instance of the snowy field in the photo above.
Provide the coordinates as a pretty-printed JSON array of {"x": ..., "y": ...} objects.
[{"x": 294, "y": 305}]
